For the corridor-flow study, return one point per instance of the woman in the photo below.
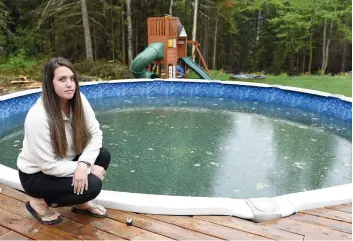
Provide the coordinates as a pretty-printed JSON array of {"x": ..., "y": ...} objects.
[{"x": 62, "y": 161}]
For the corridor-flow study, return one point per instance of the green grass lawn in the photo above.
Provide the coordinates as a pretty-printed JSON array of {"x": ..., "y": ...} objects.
[{"x": 331, "y": 84}]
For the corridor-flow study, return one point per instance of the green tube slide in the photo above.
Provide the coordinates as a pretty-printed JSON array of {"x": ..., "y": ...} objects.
[{"x": 138, "y": 66}]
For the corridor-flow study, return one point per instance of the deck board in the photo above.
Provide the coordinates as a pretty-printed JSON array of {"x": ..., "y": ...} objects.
[
  {"x": 112, "y": 226},
  {"x": 109, "y": 229},
  {"x": 251, "y": 227},
  {"x": 68, "y": 226},
  {"x": 3, "y": 230},
  {"x": 310, "y": 231},
  {"x": 330, "y": 214},
  {"x": 205, "y": 227},
  {"x": 343, "y": 208},
  {"x": 31, "y": 229},
  {"x": 11, "y": 235},
  {"x": 324, "y": 222},
  {"x": 7, "y": 234},
  {"x": 162, "y": 228},
  {"x": 10, "y": 192},
  {"x": 330, "y": 223}
]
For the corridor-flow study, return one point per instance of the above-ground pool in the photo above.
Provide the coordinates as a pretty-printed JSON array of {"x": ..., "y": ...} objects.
[{"x": 204, "y": 142}]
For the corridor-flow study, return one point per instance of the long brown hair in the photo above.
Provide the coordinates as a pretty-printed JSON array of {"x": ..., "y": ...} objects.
[{"x": 52, "y": 107}]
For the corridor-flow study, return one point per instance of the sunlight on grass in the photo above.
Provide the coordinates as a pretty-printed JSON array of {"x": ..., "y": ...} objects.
[{"x": 339, "y": 84}]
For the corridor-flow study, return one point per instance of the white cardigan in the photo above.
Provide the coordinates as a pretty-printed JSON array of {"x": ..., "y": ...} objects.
[{"x": 37, "y": 152}]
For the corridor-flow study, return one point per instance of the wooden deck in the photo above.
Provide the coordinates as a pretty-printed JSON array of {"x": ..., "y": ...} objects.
[{"x": 333, "y": 223}]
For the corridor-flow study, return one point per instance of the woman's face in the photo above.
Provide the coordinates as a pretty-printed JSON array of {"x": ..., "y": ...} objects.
[{"x": 64, "y": 83}]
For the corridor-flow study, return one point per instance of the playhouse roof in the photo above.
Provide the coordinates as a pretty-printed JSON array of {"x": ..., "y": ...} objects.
[{"x": 181, "y": 29}]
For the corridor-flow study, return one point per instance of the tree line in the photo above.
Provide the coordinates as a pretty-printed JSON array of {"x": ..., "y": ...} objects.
[{"x": 274, "y": 36}]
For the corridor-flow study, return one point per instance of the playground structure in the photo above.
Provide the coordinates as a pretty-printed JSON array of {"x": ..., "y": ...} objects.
[{"x": 167, "y": 48}]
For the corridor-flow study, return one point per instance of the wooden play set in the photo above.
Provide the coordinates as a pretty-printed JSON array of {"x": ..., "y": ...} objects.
[{"x": 167, "y": 48}]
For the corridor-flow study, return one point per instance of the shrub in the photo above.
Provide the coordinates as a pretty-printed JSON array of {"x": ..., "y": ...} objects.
[
  {"x": 35, "y": 72},
  {"x": 18, "y": 65},
  {"x": 103, "y": 69},
  {"x": 15, "y": 64}
]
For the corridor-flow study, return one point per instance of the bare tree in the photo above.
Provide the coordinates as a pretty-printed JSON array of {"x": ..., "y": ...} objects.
[
  {"x": 112, "y": 38},
  {"x": 171, "y": 8},
  {"x": 194, "y": 26},
  {"x": 344, "y": 48},
  {"x": 326, "y": 45},
  {"x": 129, "y": 30},
  {"x": 311, "y": 36},
  {"x": 344, "y": 54},
  {"x": 215, "y": 41},
  {"x": 3, "y": 15},
  {"x": 87, "y": 33},
  {"x": 123, "y": 32},
  {"x": 205, "y": 37}
]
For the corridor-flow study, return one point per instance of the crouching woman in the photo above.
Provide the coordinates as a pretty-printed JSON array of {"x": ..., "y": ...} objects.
[{"x": 62, "y": 161}]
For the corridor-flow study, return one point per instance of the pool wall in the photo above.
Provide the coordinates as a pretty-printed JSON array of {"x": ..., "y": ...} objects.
[
  {"x": 257, "y": 209},
  {"x": 337, "y": 106}
]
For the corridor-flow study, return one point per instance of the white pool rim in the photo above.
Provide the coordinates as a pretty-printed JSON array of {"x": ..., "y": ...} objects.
[{"x": 256, "y": 209}]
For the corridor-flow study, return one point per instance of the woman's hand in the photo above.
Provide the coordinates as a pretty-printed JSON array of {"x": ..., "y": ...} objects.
[
  {"x": 80, "y": 181},
  {"x": 98, "y": 171}
]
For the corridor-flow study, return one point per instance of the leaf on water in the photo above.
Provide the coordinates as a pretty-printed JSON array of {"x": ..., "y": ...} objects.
[
  {"x": 214, "y": 164},
  {"x": 299, "y": 165},
  {"x": 261, "y": 186}
]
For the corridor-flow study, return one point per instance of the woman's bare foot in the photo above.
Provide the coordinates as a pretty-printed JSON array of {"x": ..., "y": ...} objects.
[
  {"x": 40, "y": 206},
  {"x": 97, "y": 209}
]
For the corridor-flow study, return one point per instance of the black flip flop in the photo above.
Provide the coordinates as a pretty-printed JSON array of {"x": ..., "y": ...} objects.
[
  {"x": 86, "y": 211},
  {"x": 39, "y": 217}
]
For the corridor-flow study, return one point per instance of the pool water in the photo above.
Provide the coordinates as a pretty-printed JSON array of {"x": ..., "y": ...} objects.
[{"x": 193, "y": 146}]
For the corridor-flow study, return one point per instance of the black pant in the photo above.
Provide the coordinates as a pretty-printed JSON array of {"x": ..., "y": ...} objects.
[{"x": 58, "y": 190}]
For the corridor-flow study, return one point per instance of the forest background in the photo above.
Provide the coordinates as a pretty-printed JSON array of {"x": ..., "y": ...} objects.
[{"x": 291, "y": 37}]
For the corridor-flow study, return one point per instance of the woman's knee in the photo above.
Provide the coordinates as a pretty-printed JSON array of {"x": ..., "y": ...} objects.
[
  {"x": 105, "y": 153},
  {"x": 94, "y": 185},
  {"x": 104, "y": 158}
]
